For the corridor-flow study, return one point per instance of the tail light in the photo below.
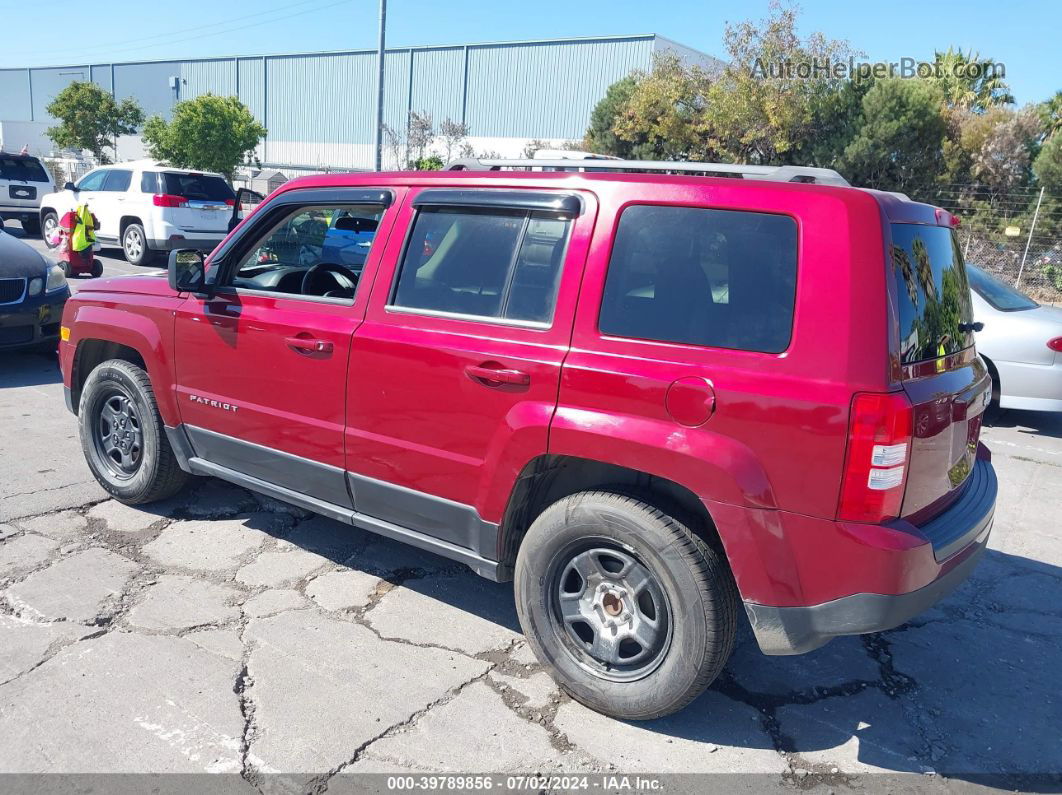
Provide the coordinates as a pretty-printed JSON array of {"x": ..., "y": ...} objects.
[
  {"x": 879, "y": 450},
  {"x": 230, "y": 202},
  {"x": 1055, "y": 344},
  {"x": 168, "y": 200}
]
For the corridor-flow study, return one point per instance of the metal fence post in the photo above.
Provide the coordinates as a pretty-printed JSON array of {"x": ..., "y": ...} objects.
[{"x": 1032, "y": 228}]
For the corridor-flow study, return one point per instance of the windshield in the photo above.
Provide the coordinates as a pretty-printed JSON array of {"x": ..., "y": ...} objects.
[
  {"x": 932, "y": 293},
  {"x": 205, "y": 187},
  {"x": 998, "y": 294},
  {"x": 24, "y": 169}
]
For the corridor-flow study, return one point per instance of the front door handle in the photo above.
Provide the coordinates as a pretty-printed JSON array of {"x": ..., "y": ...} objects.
[
  {"x": 308, "y": 345},
  {"x": 496, "y": 376}
]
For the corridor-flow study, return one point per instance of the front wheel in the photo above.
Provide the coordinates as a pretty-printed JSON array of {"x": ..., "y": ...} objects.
[
  {"x": 123, "y": 437},
  {"x": 49, "y": 221},
  {"x": 632, "y": 613}
]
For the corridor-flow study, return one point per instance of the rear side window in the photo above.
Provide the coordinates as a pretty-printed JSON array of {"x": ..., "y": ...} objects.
[
  {"x": 24, "y": 169},
  {"x": 197, "y": 187},
  {"x": 149, "y": 182},
  {"x": 721, "y": 278},
  {"x": 117, "y": 180},
  {"x": 485, "y": 263},
  {"x": 932, "y": 292}
]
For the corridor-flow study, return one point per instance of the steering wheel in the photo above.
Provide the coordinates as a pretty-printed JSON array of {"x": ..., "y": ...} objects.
[{"x": 342, "y": 277}]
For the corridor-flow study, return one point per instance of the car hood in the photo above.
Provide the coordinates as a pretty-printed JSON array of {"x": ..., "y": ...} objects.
[
  {"x": 18, "y": 260},
  {"x": 140, "y": 284}
]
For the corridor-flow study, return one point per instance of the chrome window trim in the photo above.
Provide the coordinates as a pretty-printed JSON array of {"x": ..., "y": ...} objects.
[{"x": 496, "y": 321}]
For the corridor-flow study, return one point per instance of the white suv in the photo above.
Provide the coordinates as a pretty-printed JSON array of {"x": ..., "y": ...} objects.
[
  {"x": 23, "y": 180},
  {"x": 146, "y": 207}
]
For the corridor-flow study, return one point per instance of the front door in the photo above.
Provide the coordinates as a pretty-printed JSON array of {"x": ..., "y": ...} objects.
[
  {"x": 262, "y": 366},
  {"x": 109, "y": 203},
  {"x": 454, "y": 374}
]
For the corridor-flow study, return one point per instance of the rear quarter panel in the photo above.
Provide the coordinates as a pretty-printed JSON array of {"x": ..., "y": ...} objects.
[{"x": 777, "y": 436}]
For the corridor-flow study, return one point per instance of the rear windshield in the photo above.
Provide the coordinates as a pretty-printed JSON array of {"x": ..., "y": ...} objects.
[
  {"x": 932, "y": 292},
  {"x": 196, "y": 186},
  {"x": 998, "y": 294},
  {"x": 26, "y": 169}
]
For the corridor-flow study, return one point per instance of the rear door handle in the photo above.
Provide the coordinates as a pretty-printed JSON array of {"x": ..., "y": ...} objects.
[
  {"x": 496, "y": 376},
  {"x": 309, "y": 345}
]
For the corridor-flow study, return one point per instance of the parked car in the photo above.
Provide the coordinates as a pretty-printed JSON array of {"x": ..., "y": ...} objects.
[
  {"x": 650, "y": 399},
  {"x": 146, "y": 208},
  {"x": 23, "y": 181},
  {"x": 33, "y": 291},
  {"x": 1021, "y": 343}
]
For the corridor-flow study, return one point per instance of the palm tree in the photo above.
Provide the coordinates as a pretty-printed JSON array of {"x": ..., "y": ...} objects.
[
  {"x": 1051, "y": 113},
  {"x": 970, "y": 82}
]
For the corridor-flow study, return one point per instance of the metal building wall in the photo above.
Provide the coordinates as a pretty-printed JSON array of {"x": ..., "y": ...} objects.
[{"x": 320, "y": 108}]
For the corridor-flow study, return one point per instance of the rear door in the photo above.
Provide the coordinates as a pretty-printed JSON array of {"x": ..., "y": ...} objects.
[
  {"x": 198, "y": 202},
  {"x": 454, "y": 374},
  {"x": 942, "y": 374}
]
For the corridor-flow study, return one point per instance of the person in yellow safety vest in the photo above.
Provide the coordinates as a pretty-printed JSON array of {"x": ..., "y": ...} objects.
[
  {"x": 942, "y": 352},
  {"x": 84, "y": 235}
]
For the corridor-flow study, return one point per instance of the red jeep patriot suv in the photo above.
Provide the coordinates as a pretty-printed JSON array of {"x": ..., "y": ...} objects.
[{"x": 648, "y": 393}]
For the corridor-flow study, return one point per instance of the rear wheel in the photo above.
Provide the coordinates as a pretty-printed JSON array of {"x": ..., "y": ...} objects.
[
  {"x": 632, "y": 613},
  {"x": 97, "y": 268},
  {"x": 135, "y": 246},
  {"x": 50, "y": 221},
  {"x": 123, "y": 437},
  {"x": 31, "y": 226}
]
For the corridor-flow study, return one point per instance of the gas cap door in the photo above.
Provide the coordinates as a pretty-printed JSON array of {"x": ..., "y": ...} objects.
[{"x": 690, "y": 401}]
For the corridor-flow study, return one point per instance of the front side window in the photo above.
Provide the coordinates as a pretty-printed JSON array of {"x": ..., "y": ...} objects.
[
  {"x": 932, "y": 292},
  {"x": 92, "y": 181},
  {"x": 719, "y": 278},
  {"x": 117, "y": 180},
  {"x": 489, "y": 263},
  {"x": 312, "y": 251}
]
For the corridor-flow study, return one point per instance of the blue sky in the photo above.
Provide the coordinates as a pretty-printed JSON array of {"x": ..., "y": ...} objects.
[{"x": 1023, "y": 35}]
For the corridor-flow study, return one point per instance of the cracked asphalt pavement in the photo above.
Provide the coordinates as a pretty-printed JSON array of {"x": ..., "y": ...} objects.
[{"x": 224, "y": 632}]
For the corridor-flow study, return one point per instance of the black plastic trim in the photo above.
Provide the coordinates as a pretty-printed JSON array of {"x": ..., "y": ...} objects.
[
  {"x": 490, "y": 569},
  {"x": 967, "y": 518},
  {"x": 449, "y": 521},
  {"x": 796, "y": 630},
  {"x": 320, "y": 481},
  {"x": 567, "y": 203}
]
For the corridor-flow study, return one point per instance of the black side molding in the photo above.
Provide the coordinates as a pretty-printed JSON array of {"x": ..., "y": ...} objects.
[{"x": 566, "y": 203}]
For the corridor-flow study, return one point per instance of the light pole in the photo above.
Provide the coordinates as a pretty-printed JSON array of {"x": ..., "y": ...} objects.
[{"x": 380, "y": 87}]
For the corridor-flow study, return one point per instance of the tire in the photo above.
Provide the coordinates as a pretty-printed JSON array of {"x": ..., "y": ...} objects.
[
  {"x": 49, "y": 220},
  {"x": 97, "y": 268},
  {"x": 123, "y": 391},
  {"x": 135, "y": 246},
  {"x": 692, "y": 596},
  {"x": 32, "y": 226}
]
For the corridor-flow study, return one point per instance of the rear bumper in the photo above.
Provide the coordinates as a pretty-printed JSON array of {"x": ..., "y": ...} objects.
[
  {"x": 846, "y": 579},
  {"x": 204, "y": 243},
  {"x": 1034, "y": 387}
]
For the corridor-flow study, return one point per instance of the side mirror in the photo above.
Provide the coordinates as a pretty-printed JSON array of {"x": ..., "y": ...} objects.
[
  {"x": 70, "y": 186},
  {"x": 187, "y": 273}
]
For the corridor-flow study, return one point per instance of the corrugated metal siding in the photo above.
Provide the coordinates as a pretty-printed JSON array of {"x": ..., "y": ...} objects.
[
  {"x": 14, "y": 95},
  {"x": 321, "y": 99},
  {"x": 49, "y": 82},
  {"x": 438, "y": 82},
  {"x": 149, "y": 83},
  {"x": 546, "y": 90},
  {"x": 101, "y": 75},
  {"x": 208, "y": 77},
  {"x": 250, "y": 79}
]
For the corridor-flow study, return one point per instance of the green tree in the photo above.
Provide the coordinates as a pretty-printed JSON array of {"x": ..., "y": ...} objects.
[
  {"x": 1048, "y": 164},
  {"x": 90, "y": 119},
  {"x": 209, "y": 132},
  {"x": 969, "y": 82},
  {"x": 601, "y": 135},
  {"x": 899, "y": 145},
  {"x": 1051, "y": 113}
]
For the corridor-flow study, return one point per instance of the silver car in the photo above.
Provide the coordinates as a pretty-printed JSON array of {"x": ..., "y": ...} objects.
[{"x": 1021, "y": 343}]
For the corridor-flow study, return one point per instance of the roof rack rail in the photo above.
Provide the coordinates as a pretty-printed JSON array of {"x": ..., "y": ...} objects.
[{"x": 821, "y": 176}]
